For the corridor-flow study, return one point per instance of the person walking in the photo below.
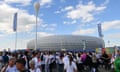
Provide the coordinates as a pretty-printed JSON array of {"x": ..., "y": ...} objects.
[
  {"x": 32, "y": 67},
  {"x": 10, "y": 67},
  {"x": 20, "y": 64},
  {"x": 117, "y": 63},
  {"x": 71, "y": 67}
]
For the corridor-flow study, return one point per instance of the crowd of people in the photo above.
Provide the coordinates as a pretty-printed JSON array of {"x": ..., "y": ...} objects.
[{"x": 37, "y": 61}]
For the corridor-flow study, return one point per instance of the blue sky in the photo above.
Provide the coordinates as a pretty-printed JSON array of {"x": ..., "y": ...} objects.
[{"x": 73, "y": 17}]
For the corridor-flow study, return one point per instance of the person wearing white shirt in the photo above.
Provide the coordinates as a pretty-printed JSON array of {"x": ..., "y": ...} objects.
[
  {"x": 47, "y": 62},
  {"x": 32, "y": 67},
  {"x": 42, "y": 58},
  {"x": 60, "y": 63},
  {"x": 79, "y": 63},
  {"x": 52, "y": 62},
  {"x": 11, "y": 67},
  {"x": 35, "y": 59},
  {"x": 71, "y": 67},
  {"x": 25, "y": 57},
  {"x": 65, "y": 59}
]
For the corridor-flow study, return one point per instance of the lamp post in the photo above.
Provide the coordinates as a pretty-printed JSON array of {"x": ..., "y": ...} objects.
[
  {"x": 109, "y": 43},
  {"x": 84, "y": 44},
  {"x": 36, "y": 7}
]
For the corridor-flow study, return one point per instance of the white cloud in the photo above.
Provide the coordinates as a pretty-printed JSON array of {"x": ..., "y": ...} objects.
[
  {"x": 57, "y": 12},
  {"x": 107, "y": 25},
  {"x": 114, "y": 36},
  {"x": 44, "y": 2},
  {"x": 84, "y": 12},
  {"x": 22, "y": 2},
  {"x": 70, "y": 22},
  {"x": 21, "y": 44},
  {"x": 2, "y": 35},
  {"x": 48, "y": 27},
  {"x": 105, "y": 3},
  {"x": 84, "y": 31},
  {"x": 65, "y": 22},
  {"x": 26, "y": 22},
  {"x": 112, "y": 43},
  {"x": 42, "y": 34},
  {"x": 6, "y": 18},
  {"x": 68, "y": 8},
  {"x": 73, "y": 22}
]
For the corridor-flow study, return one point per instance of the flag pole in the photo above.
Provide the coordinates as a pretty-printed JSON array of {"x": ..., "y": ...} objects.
[
  {"x": 15, "y": 29},
  {"x": 84, "y": 45},
  {"x": 36, "y": 32},
  {"x": 16, "y": 41},
  {"x": 100, "y": 32}
]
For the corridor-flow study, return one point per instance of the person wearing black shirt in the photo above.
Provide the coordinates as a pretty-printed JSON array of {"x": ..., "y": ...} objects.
[{"x": 106, "y": 60}]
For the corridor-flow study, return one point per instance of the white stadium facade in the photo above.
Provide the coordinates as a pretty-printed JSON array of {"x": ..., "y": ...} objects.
[{"x": 67, "y": 42}]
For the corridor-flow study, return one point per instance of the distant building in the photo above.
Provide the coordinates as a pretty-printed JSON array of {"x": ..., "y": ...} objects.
[{"x": 67, "y": 42}]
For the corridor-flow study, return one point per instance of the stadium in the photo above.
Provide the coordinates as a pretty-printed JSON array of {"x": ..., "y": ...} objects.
[{"x": 67, "y": 42}]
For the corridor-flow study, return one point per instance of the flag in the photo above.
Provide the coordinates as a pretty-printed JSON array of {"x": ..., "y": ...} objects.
[
  {"x": 15, "y": 22},
  {"x": 100, "y": 30}
]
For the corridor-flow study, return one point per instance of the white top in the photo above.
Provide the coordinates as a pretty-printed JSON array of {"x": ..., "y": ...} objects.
[
  {"x": 75, "y": 60},
  {"x": 11, "y": 69},
  {"x": 9, "y": 56},
  {"x": 36, "y": 61},
  {"x": 70, "y": 68},
  {"x": 50, "y": 57},
  {"x": 46, "y": 59},
  {"x": 43, "y": 62},
  {"x": 66, "y": 60},
  {"x": 37, "y": 70},
  {"x": 79, "y": 60},
  {"x": 25, "y": 60},
  {"x": 98, "y": 56},
  {"x": 60, "y": 61}
]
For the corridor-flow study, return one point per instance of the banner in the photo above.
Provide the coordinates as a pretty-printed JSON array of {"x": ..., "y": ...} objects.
[
  {"x": 99, "y": 50},
  {"x": 100, "y": 30},
  {"x": 15, "y": 22}
]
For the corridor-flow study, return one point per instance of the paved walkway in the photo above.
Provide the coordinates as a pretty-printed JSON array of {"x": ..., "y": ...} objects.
[{"x": 101, "y": 70}]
